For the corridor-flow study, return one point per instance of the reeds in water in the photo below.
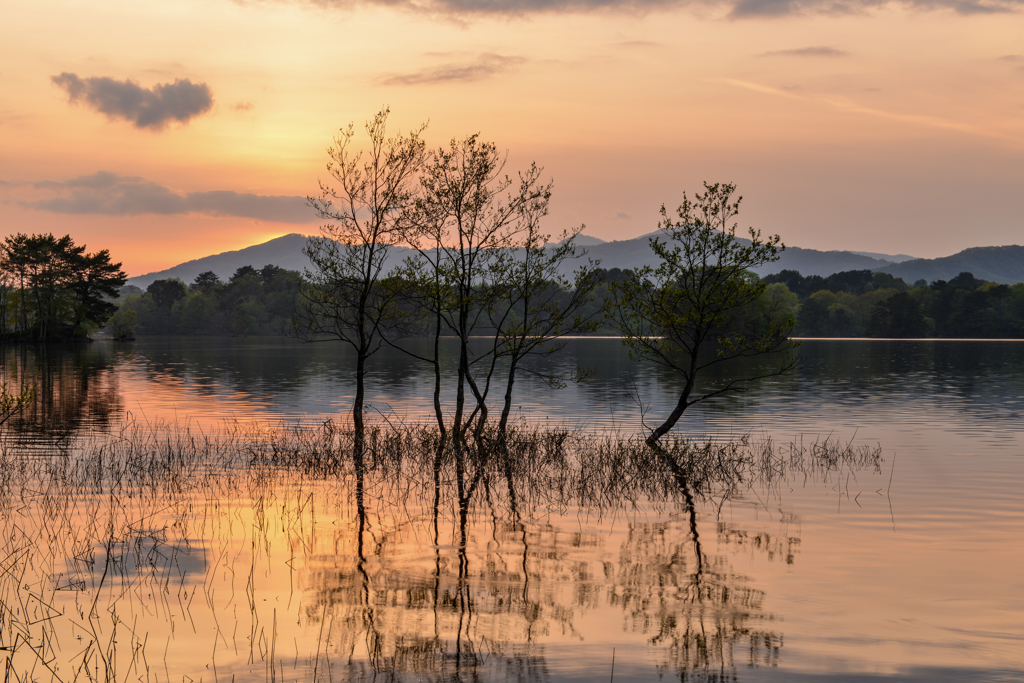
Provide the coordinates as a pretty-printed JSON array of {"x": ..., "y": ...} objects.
[{"x": 163, "y": 551}]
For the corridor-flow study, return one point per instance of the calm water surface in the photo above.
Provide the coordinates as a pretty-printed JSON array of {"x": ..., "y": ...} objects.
[{"x": 912, "y": 570}]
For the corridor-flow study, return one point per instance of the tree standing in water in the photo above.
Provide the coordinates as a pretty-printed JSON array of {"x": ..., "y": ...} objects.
[
  {"x": 468, "y": 214},
  {"x": 691, "y": 313},
  {"x": 349, "y": 296}
]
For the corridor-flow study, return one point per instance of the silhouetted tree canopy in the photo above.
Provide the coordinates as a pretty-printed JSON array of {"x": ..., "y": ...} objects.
[
  {"x": 852, "y": 305},
  {"x": 166, "y": 292},
  {"x": 52, "y": 289},
  {"x": 206, "y": 281}
]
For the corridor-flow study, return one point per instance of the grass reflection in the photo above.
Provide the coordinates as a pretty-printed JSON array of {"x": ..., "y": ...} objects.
[{"x": 163, "y": 552}]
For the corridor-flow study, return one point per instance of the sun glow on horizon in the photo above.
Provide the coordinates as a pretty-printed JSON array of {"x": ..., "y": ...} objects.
[{"x": 892, "y": 130}]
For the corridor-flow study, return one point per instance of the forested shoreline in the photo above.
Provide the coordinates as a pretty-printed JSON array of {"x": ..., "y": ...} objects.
[
  {"x": 864, "y": 303},
  {"x": 52, "y": 289},
  {"x": 857, "y": 303}
]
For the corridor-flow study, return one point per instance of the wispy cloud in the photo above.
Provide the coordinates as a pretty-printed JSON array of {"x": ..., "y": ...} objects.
[
  {"x": 736, "y": 9},
  {"x": 778, "y": 8},
  {"x": 851, "y": 106},
  {"x": 151, "y": 108},
  {"x": 818, "y": 51},
  {"x": 1016, "y": 60},
  {"x": 484, "y": 66},
  {"x": 243, "y": 106},
  {"x": 109, "y": 194}
]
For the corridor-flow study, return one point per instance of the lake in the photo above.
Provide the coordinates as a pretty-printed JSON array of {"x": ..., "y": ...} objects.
[{"x": 900, "y": 560}]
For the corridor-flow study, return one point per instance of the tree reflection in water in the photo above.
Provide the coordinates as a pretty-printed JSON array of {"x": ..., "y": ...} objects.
[
  {"x": 75, "y": 385},
  {"x": 512, "y": 566}
]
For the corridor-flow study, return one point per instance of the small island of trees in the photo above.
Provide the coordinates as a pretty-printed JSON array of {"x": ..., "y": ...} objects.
[{"x": 51, "y": 289}]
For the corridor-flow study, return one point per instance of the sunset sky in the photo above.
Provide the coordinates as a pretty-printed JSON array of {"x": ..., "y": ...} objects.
[{"x": 167, "y": 131}]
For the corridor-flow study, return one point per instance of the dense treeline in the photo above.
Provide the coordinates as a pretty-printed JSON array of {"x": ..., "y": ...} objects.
[
  {"x": 857, "y": 303},
  {"x": 862, "y": 303},
  {"x": 51, "y": 289},
  {"x": 252, "y": 302}
]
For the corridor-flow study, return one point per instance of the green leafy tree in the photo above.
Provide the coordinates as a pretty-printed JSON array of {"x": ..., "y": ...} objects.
[
  {"x": 166, "y": 293},
  {"x": 900, "y": 316},
  {"x": 268, "y": 273},
  {"x": 196, "y": 313},
  {"x": 206, "y": 281},
  {"x": 243, "y": 271},
  {"x": 123, "y": 324},
  {"x": 13, "y": 402},
  {"x": 682, "y": 315},
  {"x": 54, "y": 289}
]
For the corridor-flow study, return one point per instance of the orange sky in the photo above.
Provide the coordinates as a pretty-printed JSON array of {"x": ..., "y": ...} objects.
[{"x": 855, "y": 124}]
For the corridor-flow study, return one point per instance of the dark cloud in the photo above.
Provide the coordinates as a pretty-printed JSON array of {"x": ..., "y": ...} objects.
[
  {"x": 109, "y": 194},
  {"x": 773, "y": 8},
  {"x": 153, "y": 108},
  {"x": 819, "y": 51},
  {"x": 485, "y": 65},
  {"x": 737, "y": 8}
]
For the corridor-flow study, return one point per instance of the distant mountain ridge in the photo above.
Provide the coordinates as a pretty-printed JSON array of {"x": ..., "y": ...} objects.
[
  {"x": 998, "y": 264},
  {"x": 284, "y": 252},
  {"x": 1004, "y": 265}
]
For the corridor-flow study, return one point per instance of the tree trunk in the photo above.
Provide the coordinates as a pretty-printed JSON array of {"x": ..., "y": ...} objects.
[
  {"x": 481, "y": 404},
  {"x": 357, "y": 415},
  {"x": 438, "y": 413},
  {"x": 460, "y": 392},
  {"x": 507, "y": 408},
  {"x": 673, "y": 417}
]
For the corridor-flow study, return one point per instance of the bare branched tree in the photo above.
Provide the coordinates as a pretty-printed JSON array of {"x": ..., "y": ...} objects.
[
  {"x": 539, "y": 305},
  {"x": 468, "y": 214},
  {"x": 350, "y": 296}
]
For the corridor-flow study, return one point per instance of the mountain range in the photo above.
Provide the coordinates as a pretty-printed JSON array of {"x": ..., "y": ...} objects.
[{"x": 1004, "y": 265}]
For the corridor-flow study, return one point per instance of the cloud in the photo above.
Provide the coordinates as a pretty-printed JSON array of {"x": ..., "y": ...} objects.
[
  {"x": 1016, "y": 60},
  {"x": 778, "y": 8},
  {"x": 243, "y": 106},
  {"x": 851, "y": 106},
  {"x": 737, "y": 9},
  {"x": 109, "y": 194},
  {"x": 153, "y": 108},
  {"x": 486, "y": 65},
  {"x": 820, "y": 51}
]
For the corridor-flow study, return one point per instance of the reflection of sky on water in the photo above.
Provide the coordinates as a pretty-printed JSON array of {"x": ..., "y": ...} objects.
[
  {"x": 954, "y": 396},
  {"x": 917, "y": 579}
]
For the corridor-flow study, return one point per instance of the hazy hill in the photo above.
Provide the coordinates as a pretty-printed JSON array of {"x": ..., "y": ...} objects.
[
  {"x": 1004, "y": 265},
  {"x": 637, "y": 252},
  {"x": 286, "y": 252},
  {"x": 895, "y": 258}
]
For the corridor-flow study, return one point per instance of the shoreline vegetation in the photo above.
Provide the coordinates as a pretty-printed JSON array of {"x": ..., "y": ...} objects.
[
  {"x": 840, "y": 306},
  {"x": 180, "y": 525}
]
